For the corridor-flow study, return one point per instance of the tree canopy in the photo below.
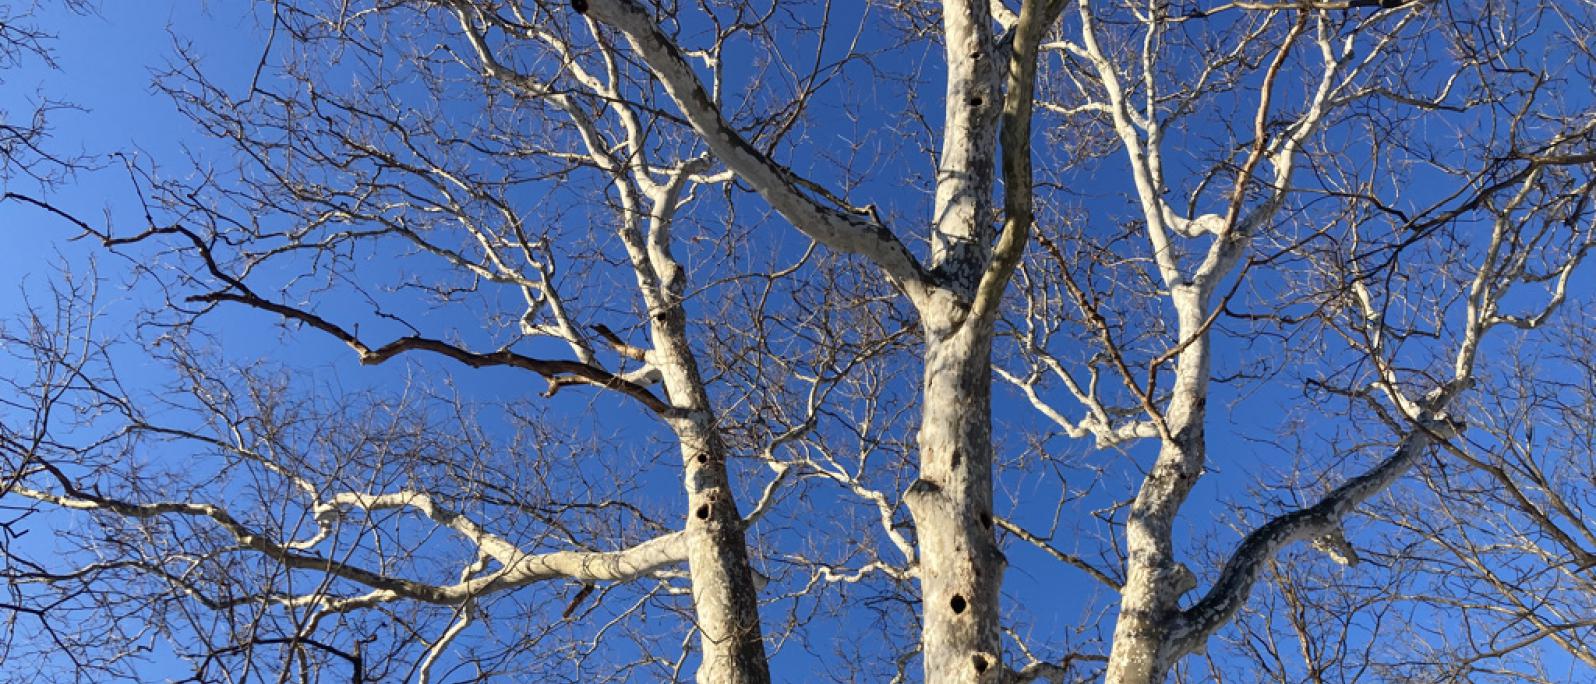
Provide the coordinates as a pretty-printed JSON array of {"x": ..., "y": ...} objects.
[{"x": 799, "y": 340}]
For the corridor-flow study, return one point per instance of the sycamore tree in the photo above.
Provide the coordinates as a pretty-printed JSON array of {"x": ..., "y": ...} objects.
[
  {"x": 1481, "y": 571},
  {"x": 755, "y": 259},
  {"x": 1305, "y": 225}
]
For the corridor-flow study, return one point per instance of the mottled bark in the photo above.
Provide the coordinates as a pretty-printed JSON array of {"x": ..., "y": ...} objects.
[
  {"x": 960, "y": 565},
  {"x": 724, "y": 598},
  {"x": 725, "y": 601},
  {"x": 962, "y": 218},
  {"x": 1229, "y": 593},
  {"x": 356, "y": 175},
  {"x": 1155, "y": 578}
]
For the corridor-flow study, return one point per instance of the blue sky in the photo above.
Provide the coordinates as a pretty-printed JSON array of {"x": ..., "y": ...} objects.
[
  {"x": 106, "y": 64},
  {"x": 107, "y": 60}
]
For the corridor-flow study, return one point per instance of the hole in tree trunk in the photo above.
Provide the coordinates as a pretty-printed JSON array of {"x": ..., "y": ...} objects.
[
  {"x": 980, "y": 662},
  {"x": 976, "y": 101},
  {"x": 986, "y": 520},
  {"x": 703, "y": 458},
  {"x": 703, "y": 512},
  {"x": 957, "y": 604}
]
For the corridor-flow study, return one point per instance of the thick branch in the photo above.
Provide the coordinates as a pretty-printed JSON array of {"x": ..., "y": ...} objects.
[
  {"x": 557, "y": 372},
  {"x": 1015, "y": 139},
  {"x": 1231, "y": 590},
  {"x": 517, "y": 569},
  {"x": 839, "y": 230}
]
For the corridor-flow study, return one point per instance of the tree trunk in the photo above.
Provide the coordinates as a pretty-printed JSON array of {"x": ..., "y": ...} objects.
[
  {"x": 725, "y": 602},
  {"x": 960, "y": 565},
  {"x": 1155, "y": 579}
]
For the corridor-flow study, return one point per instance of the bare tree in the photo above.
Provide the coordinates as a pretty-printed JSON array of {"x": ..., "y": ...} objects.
[
  {"x": 602, "y": 193},
  {"x": 345, "y": 169},
  {"x": 1375, "y": 249},
  {"x": 1483, "y": 555},
  {"x": 23, "y": 149}
]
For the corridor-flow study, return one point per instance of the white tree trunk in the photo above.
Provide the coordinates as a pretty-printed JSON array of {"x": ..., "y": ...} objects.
[
  {"x": 960, "y": 565},
  {"x": 1155, "y": 579},
  {"x": 725, "y": 601}
]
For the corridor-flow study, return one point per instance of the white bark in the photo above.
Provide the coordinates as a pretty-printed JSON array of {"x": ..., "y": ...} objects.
[
  {"x": 956, "y": 289},
  {"x": 516, "y": 568},
  {"x": 959, "y": 564},
  {"x": 847, "y": 231},
  {"x": 725, "y": 599}
]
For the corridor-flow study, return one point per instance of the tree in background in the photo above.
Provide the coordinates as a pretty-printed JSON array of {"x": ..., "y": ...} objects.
[{"x": 1324, "y": 206}]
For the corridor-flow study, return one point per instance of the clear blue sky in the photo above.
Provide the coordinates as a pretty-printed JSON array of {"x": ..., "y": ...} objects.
[{"x": 106, "y": 63}]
